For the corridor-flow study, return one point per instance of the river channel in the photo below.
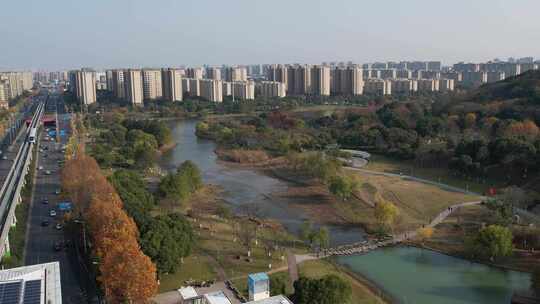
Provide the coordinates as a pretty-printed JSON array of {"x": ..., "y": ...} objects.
[{"x": 410, "y": 275}]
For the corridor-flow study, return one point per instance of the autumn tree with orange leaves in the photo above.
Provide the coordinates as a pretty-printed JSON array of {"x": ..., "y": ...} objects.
[{"x": 126, "y": 273}]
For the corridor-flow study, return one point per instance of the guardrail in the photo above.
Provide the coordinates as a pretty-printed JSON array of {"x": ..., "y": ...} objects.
[{"x": 10, "y": 193}]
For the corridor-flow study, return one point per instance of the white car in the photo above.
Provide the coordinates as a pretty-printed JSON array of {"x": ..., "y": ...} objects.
[
  {"x": 52, "y": 212},
  {"x": 48, "y": 172},
  {"x": 40, "y": 168}
]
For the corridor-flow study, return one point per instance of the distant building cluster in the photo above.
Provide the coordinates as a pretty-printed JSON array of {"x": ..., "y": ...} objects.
[
  {"x": 279, "y": 80},
  {"x": 12, "y": 85}
]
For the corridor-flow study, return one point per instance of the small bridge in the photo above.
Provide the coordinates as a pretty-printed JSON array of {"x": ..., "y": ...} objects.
[{"x": 367, "y": 246}]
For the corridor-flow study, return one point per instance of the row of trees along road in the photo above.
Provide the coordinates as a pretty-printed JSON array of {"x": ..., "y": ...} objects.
[
  {"x": 126, "y": 274},
  {"x": 166, "y": 238}
]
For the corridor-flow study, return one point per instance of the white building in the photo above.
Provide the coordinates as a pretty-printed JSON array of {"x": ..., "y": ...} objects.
[
  {"x": 211, "y": 89},
  {"x": 39, "y": 284},
  {"x": 270, "y": 89}
]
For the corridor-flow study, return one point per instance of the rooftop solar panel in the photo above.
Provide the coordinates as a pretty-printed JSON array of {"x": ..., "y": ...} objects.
[
  {"x": 10, "y": 293},
  {"x": 32, "y": 292}
]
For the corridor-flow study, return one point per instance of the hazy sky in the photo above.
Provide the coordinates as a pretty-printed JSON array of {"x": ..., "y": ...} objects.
[{"x": 52, "y": 34}]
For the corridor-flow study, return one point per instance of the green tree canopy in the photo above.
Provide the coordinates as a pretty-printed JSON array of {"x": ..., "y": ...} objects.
[
  {"x": 329, "y": 289},
  {"x": 138, "y": 201},
  {"x": 168, "y": 239},
  {"x": 491, "y": 242},
  {"x": 181, "y": 184}
]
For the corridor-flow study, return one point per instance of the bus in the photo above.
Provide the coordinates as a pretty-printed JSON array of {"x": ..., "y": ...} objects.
[{"x": 32, "y": 136}]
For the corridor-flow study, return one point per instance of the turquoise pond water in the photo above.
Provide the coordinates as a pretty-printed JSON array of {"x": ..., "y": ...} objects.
[{"x": 413, "y": 275}]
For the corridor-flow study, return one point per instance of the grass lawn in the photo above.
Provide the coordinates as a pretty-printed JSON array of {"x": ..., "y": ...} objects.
[
  {"x": 449, "y": 236},
  {"x": 319, "y": 268},
  {"x": 418, "y": 202},
  {"x": 442, "y": 175},
  {"x": 217, "y": 256},
  {"x": 195, "y": 267},
  {"x": 216, "y": 238}
]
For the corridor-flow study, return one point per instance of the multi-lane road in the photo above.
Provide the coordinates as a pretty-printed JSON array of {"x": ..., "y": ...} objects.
[{"x": 45, "y": 242}]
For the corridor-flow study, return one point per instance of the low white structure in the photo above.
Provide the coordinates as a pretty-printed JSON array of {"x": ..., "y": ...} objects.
[
  {"x": 34, "y": 284},
  {"x": 273, "y": 300},
  {"x": 188, "y": 295}
]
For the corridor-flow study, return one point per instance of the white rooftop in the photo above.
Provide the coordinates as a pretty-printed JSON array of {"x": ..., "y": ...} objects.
[
  {"x": 217, "y": 297},
  {"x": 38, "y": 283},
  {"x": 187, "y": 292},
  {"x": 272, "y": 300}
]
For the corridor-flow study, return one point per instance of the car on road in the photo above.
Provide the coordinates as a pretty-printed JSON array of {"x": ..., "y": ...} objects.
[
  {"x": 40, "y": 168},
  {"x": 48, "y": 172},
  {"x": 59, "y": 226},
  {"x": 4, "y": 157},
  {"x": 57, "y": 191},
  {"x": 52, "y": 212},
  {"x": 45, "y": 201},
  {"x": 44, "y": 223},
  {"x": 44, "y": 155},
  {"x": 57, "y": 246}
]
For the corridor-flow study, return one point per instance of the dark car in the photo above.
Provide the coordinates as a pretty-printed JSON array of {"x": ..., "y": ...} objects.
[{"x": 44, "y": 223}]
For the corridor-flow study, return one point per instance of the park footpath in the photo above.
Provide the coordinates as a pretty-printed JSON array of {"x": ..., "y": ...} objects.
[{"x": 368, "y": 246}]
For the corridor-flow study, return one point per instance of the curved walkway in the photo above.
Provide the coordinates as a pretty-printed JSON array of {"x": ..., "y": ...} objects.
[{"x": 367, "y": 246}]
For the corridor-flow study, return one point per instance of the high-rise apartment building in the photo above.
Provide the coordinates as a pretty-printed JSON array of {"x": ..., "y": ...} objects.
[
  {"x": 4, "y": 100},
  {"x": 388, "y": 74},
  {"x": 211, "y": 89},
  {"x": 298, "y": 80},
  {"x": 320, "y": 80},
  {"x": 446, "y": 85},
  {"x": 429, "y": 74},
  {"x": 213, "y": 73},
  {"x": 85, "y": 86},
  {"x": 172, "y": 84},
  {"x": 254, "y": 70},
  {"x": 528, "y": 66},
  {"x": 109, "y": 76},
  {"x": 402, "y": 73},
  {"x": 243, "y": 90},
  {"x": 474, "y": 78},
  {"x": 456, "y": 76},
  {"x": 133, "y": 84},
  {"x": 277, "y": 72},
  {"x": 195, "y": 73},
  {"x": 194, "y": 86},
  {"x": 466, "y": 67},
  {"x": 371, "y": 74},
  {"x": 118, "y": 85},
  {"x": 434, "y": 65},
  {"x": 428, "y": 85},
  {"x": 404, "y": 86},
  {"x": 347, "y": 81},
  {"x": 494, "y": 76},
  {"x": 236, "y": 73},
  {"x": 152, "y": 87},
  {"x": 16, "y": 83},
  {"x": 378, "y": 86},
  {"x": 270, "y": 89}
]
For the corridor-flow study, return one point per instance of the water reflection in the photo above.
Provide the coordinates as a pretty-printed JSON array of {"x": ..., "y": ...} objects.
[{"x": 244, "y": 187}]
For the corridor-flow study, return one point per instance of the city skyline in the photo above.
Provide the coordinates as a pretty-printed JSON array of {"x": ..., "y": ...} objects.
[{"x": 169, "y": 33}]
